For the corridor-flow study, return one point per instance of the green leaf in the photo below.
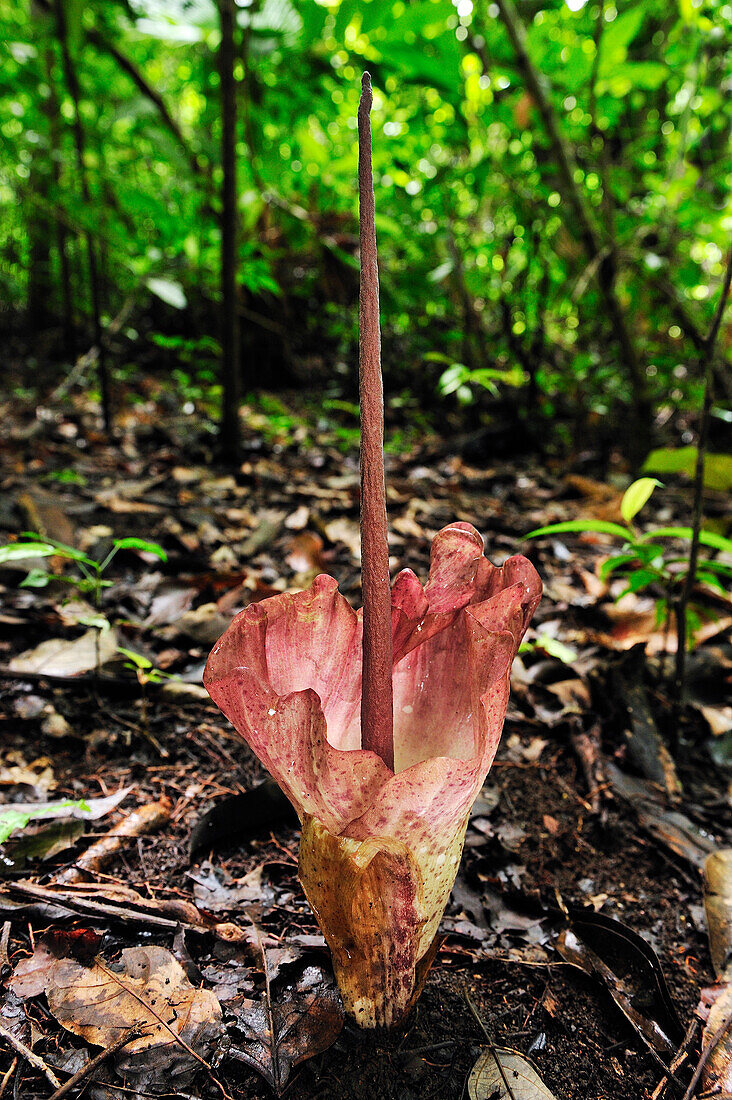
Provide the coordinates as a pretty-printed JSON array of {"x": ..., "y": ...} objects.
[
  {"x": 17, "y": 551},
  {"x": 37, "y": 578},
  {"x": 17, "y": 816},
  {"x": 136, "y": 659},
  {"x": 638, "y": 580},
  {"x": 616, "y": 37},
  {"x": 141, "y": 544},
  {"x": 682, "y": 460},
  {"x": 601, "y": 526},
  {"x": 636, "y": 495},
  {"x": 617, "y": 561},
  {"x": 706, "y": 538}
]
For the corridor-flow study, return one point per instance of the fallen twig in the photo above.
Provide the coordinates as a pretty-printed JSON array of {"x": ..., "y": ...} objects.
[
  {"x": 678, "y": 1059},
  {"x": 33, "y": 1059},
  {"x": 706, "y": 1054},
  {"x": 4, "y": 938},
  {"x": 491, "y": 1045},
  {"x": 7, "y": 1075},
  {"x": 93, "y": 908},
  {"x": 143, "y": 820},
  {"x": 94, "y": 1063}
]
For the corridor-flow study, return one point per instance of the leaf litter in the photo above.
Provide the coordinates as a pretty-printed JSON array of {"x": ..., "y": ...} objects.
[{"x": 569, "y": 807}]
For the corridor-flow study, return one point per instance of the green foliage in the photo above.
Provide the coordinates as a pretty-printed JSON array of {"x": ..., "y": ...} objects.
[
  {"x": 682, "y": 460},
  {"x": 643, "y": 563},
  {"x": 16, "y": 817},
  {"x": 481, "y": 258}
]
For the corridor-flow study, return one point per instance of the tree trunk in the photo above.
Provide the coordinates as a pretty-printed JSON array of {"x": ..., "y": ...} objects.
[
  {"x": 72, "y": 84},
  {"x": 230, "y": 348}
]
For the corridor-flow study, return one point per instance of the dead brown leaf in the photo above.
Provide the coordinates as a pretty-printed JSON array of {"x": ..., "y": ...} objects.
[
  {"x": 148, "y": 989},
  {"x": 67, "y": 657}
]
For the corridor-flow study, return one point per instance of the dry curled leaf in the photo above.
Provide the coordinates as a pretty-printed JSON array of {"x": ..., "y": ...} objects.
[{"x": 718, "y": 905}]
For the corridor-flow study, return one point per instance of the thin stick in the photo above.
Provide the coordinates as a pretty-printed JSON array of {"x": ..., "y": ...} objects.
[
  {"x": 491, "y": 1045},
  {"x": 706, "y": 1053},
  {"x": 377, "y": 721},
  {"x": 8, "y": 1074},
  {"x": 91, "y": 1066},
  {"x": 28, "y": 1054},
  {"x": 141, "y": 821}
]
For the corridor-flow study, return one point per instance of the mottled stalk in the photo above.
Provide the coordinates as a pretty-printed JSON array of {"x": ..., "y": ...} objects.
[{"x": 377, "y": 720}]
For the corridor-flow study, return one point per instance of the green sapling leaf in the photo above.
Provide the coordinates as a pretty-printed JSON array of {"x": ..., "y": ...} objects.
[
  {"x": 636, "y": 495},
  {"x": 141, "y": 544},
  {"x": 603, "y": 527},
  {"x": 16, "y": 551}
]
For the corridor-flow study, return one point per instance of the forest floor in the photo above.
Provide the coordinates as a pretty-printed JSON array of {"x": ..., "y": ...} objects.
[{"x": 576, "y": 932}]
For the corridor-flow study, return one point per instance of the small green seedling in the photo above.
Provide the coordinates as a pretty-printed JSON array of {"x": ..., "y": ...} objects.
[
  {"x": 90, "y": 580},
  {"x": 644, "y": 561},
  {"x": 146, "y": 671}
]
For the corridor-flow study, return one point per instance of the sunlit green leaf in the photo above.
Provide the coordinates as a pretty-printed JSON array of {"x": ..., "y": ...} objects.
[{"x": 635, "y": 497}]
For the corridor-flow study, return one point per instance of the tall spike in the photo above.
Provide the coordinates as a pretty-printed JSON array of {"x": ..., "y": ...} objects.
[{"x": 377, "y": 720}]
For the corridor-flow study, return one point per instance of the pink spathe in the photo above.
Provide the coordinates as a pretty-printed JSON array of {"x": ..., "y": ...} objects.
[{"x": 287, "y": 673}]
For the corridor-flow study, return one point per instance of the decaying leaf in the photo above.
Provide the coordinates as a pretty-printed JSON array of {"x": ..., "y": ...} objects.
[
  {"x": 16, "y": 815},
  {"x": 43, "y": 844},
  {"x": 717, "y": 1001},
  {"x": 574, "y": 951},
  {"x": 718, "y": 905},
  {"x": 148, "y": 988},
  {"x": 65, "y": 657},
  {"x": 501, "y": 1074},
  {"x": 275, "y": 1034},
  {"x": 37, "y": 776}
]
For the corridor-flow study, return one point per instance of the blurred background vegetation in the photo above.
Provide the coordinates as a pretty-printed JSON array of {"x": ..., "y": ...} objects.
[{"x": 552, "y": 192}]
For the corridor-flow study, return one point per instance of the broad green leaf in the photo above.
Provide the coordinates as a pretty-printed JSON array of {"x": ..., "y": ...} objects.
[
  {"x": 617, "y": 36},
  {"x": 37, "y": 578},
  {"x": 682, "y": 460},
  {"x": 636, "y": 495},
  {"x": 19, "y": 814},
  {"x": 601, "y": 526},
  {"x": 617, "y": 561},
  {"x": 638, "y": 580}
]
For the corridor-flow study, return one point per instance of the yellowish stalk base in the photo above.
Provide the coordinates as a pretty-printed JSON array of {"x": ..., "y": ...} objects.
[{"x": 378, "y": 904}]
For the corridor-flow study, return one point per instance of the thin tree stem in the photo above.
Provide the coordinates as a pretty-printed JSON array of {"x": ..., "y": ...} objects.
[
  {"x": 230, "y": 348},
  {"x": 707, "y": 363},
  {"x": 377, "y": 721},
  {"x": 74, "y": 89}
]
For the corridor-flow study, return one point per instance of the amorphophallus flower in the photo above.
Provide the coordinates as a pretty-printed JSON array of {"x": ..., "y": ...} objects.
[
  {"x": 380, "y": 848},
  {"x": 379, "y": 727}
]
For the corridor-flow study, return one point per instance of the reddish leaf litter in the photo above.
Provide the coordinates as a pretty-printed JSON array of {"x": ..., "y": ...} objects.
[{"x": 176, "y": 941}]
